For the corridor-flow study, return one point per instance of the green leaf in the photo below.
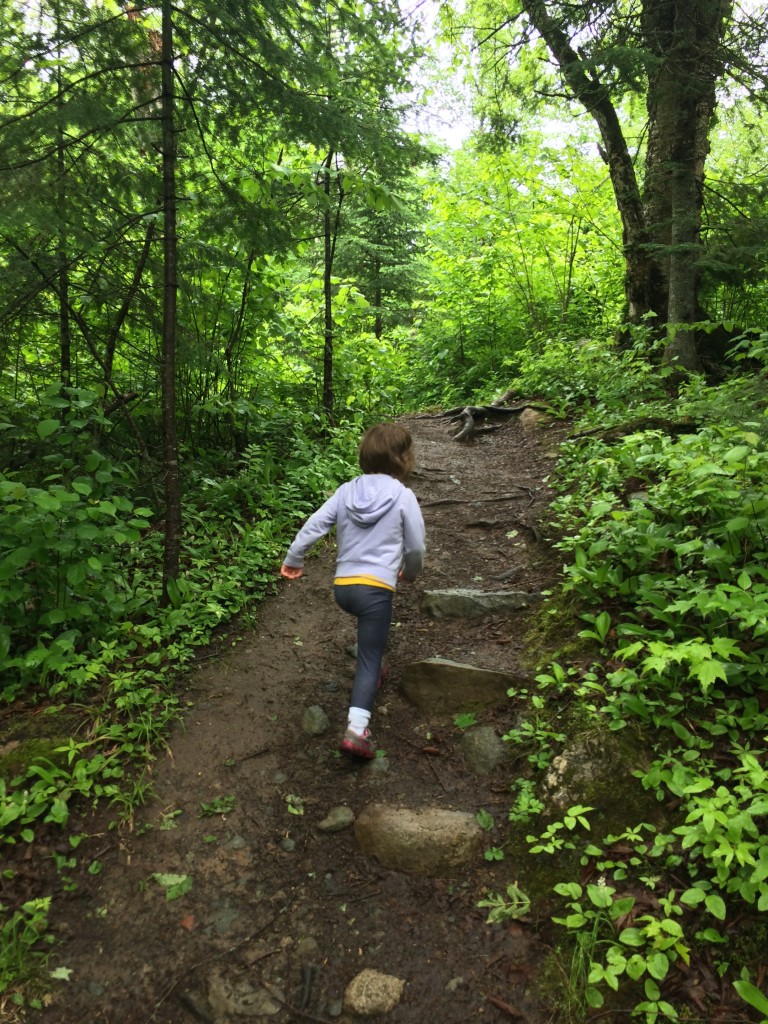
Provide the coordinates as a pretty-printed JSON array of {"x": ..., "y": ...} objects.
[
  {"x": 737, "y": 453},
  {"x": 47, "y": 427},
  {"x": 658, "y": 966},
  {"x": 715, "y": 905},
  {"x": 15, "y": 561},
  {"x": 484, "y": 819},
  {"x": 632, "y": 937},
  {"x": 174, "y": 885},
  {"x": 76, "y": 574},
  {"x": 652, "y": 990},
  {"x": 692, "y": 897},
  {"x": 44, "y": 500},
  {"x": 636, "y": 966},
  {"x": 575, "y": 921},
  {"x": 594, "y": 997},
  {"x": 622, "y": 906},
  {"x": 600, "y": 895},
  {"x": 752, "y": 995}
]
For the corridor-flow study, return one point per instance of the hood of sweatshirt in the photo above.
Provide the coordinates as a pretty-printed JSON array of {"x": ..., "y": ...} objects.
[{"x": 367, "y": 498}]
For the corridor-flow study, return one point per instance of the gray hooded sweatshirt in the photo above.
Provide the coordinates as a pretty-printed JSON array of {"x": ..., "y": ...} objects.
[{"x": 379, "y": 530}]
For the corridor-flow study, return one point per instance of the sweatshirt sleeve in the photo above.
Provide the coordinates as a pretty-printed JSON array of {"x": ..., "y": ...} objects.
[
  {"x": 318, "y": 525},
  {"x": 414, "y": 537}
]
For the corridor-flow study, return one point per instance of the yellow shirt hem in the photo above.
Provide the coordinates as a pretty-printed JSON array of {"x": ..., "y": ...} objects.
[{"x": 370, "y": 581}]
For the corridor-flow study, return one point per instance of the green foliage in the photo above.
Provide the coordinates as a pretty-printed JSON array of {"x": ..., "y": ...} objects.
[
  {"x": 63, "y": 544},
  {"x": 537, "y": 735},
  {"x": 237, "y": 528},
  {"x": 23, "y": 933},
  {"x": 175, "y": 886},
  {"x": 465, "y": 720},
  {"x": 665, "y": 536},
  {"x": 510, "y": 906},
  {"x": 643, "y": 951},
  {"x": 514, "y": 243},
  {"x": 751, "y": 994},
  {"x": 571, "y": 372},
  {"x": 553, "y": 838},
  {"x": 527, "y": 805},
  {"x": 48, "y": 789},
  {"x": 219, "y": 805}
]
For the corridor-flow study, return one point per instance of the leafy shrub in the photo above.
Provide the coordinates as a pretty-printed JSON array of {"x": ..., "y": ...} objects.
[
  {"x": 666, "y": 535},
  {"x": 571, "y": 372}
]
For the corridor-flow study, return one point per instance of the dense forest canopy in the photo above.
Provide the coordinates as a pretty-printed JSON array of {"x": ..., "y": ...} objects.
[{"x": 225, "y": 249}]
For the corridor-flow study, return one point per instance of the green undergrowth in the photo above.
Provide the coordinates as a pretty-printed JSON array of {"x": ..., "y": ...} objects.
[
  {"x": 664, "y": 533},
  {"x": 84, "y": 632},
  {"x": 91, "y": 666}
]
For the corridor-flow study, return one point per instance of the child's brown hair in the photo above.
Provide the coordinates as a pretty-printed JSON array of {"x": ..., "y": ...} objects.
[{"x": 387, "y": 448}]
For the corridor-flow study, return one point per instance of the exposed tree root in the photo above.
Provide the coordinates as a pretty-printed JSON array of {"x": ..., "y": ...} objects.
[{"x": 471, "y": 415}]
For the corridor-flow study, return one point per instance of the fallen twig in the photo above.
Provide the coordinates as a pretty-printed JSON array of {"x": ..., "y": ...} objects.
[
  {"x": 429, "y": 762},
  {"x": 254, "y": 753},
  {"x": 505, "y": 1007}
]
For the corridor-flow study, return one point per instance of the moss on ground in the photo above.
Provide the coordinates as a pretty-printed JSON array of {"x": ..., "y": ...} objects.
[{"x": 34, "y": 738}]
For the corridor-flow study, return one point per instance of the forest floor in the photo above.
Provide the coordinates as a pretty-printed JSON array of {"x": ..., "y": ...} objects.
[{"x": 281, "y": 915}]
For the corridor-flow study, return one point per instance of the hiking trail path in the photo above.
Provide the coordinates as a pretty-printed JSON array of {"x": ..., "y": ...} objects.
[{"x": 253, "y": 804}]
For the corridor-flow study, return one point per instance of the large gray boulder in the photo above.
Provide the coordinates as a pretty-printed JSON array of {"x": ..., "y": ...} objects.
[
  {"x": 440, "y": 687},
  {"x": 433, "y": 841}
]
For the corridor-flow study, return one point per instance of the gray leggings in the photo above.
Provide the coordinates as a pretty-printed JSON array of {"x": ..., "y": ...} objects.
[{"x": 372, "y": 607}]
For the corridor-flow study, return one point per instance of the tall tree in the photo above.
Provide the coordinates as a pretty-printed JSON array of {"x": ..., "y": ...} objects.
[
  {"x": 674, "y": 54},
  {"x": 171, "y": 474}
]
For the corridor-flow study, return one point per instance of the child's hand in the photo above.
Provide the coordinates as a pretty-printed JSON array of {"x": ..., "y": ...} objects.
[{"x": 289, "y": 572}]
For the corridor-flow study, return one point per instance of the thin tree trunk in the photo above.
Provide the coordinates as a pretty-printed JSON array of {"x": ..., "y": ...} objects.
[
  {"x": 328, "y": 396},
  {"x": 378, "y": 321},
  {"x": 62, "y": 244},
  {"x": 170, "y": 287},
  {"x": 330, "y": 235},
  {"x": 114, "y": 332}
]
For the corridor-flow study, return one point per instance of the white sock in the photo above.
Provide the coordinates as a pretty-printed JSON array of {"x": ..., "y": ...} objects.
[{"x": 358, "y": 719}]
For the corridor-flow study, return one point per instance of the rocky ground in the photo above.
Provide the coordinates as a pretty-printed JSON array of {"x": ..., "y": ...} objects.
[{"x": 279, "y": 901}]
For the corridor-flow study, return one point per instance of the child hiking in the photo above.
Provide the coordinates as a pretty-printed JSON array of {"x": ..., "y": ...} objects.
[{"x": 380, "y": 537}]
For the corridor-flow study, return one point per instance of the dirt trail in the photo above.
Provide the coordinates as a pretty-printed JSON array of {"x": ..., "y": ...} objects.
[{"x": 280, "y": 915}]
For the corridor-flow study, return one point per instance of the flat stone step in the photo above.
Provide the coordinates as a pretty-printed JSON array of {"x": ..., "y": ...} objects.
[
  {"x": 443, "y": 688},
  {"x": 432, "y": 841},
  {"x": 463, "y": 603}
]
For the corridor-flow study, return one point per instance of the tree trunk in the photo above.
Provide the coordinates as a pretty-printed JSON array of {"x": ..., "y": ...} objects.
[
  {"x": 170, "y": 287},
  {"x": 641, "y": 281},
  {"x": 686, "y": 40},
  {"x": 330, "y": 235},
  {"x": 328, "y": 397},
  {"x": 62, "y": 245},
  {"x": 661, "y": 227},
  {"x": 378, "y": 321}
]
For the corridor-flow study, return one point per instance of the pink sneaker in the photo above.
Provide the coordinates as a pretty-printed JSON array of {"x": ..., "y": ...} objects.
[{"x": 354, "y": 745}]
